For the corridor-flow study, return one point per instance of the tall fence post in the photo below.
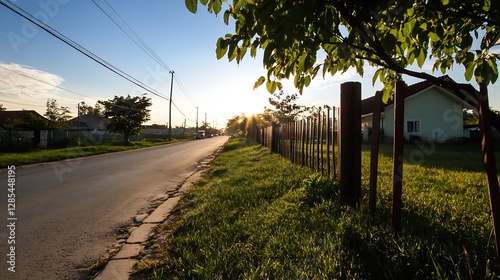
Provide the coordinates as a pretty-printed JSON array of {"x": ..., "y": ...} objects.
[
  {"x": 350, "y": 143},
  {"x": 334, "y": 140},
  {"x": 375, "y": 141},
  {"x": 397, "y": 184},
  {"x": 274, "y": 138},
  {"x": 489, "y": 161}
]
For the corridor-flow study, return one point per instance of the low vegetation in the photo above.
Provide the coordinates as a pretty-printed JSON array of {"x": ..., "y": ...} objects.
[
  {"x": 48, "y": 155},
  {"x": 256, "y": 216}
]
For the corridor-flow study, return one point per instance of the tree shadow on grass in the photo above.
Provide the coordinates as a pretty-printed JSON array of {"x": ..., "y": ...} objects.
[{"x": 456, "y": 156}]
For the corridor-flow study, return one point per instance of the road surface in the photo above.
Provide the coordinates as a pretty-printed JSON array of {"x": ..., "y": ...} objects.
[{"x": 67, "y": 213}]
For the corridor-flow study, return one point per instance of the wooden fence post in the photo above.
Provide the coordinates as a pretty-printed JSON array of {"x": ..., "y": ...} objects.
[
  {"x": 350, "y": 143},
  {"x": 274, "y": 138},
  {"x": 375, "y": 141},
  {"x": 304, "y": 135},
  {"x": 334, "y": 139},
  {"x": 398, "y": 145},
  {"x": 489, "y": 161},
  {"x": 328, "y": 144}
]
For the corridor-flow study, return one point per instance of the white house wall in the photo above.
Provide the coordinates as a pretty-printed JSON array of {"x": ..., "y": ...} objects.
[{"x": 440, "y": 116}]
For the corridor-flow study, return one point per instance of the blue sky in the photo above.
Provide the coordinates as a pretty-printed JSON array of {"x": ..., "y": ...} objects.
[{"x": 183, "y": 41}]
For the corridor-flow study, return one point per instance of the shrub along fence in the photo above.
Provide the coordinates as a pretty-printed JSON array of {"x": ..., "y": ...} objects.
[{"x": 309, "y": 142}]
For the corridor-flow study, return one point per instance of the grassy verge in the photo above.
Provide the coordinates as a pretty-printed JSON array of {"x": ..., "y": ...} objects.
[
  {"x": 256, "y": 216},
  {"x": 37, "y": 156}
]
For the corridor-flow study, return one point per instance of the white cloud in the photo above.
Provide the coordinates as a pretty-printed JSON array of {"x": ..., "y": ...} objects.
[{"x": 24, "y": 87}]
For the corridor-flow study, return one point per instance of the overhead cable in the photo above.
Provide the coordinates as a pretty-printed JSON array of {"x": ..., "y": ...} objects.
[
  {"x": 16, "y": 9},
  {"x": 141, "y": 44}
]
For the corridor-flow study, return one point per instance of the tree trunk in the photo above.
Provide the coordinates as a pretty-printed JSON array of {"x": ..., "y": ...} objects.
[
  {"x": 375, "y": 141},
  {"x": 489, "y": 161},
  {"x": 126, "y": 138},
  {"x": 398, "y": 145}
]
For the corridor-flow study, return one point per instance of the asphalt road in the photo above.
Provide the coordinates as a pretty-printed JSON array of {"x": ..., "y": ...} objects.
[{"x": 67, "y": 213}]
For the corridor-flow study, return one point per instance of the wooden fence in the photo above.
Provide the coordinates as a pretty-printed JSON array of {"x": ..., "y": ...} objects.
[{"x": 309, "y": 142}]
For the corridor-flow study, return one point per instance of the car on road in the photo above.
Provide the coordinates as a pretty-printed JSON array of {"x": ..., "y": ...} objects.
[{"x": 200, "y": 134}]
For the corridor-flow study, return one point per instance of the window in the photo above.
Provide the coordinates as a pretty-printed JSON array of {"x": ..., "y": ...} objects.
[{"x": 413, "y": 126}]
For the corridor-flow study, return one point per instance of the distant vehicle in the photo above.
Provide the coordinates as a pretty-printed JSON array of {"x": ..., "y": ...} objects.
[{"x": 200, "y": 134}]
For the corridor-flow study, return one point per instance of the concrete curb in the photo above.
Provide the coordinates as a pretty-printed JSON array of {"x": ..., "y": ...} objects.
[{"x": 122, "y": 263}]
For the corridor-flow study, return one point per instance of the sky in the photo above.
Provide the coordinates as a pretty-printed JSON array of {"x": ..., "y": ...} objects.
[{"x": 35, "y": 66}]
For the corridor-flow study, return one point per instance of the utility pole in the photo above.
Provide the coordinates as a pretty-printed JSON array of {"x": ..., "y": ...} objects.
[
  {"x": 170, "y": 108},
  {"x": 196, "y": 120},
  {"x": 78, "y": 119},
  {"x": 184, "y": 128}
]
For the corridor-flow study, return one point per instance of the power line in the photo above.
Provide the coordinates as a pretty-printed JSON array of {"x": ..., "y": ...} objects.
[
  {"x": 183, "y": 90},
  {"x": 182, "y": 112},
  {"x": 56, "y": 86},
  {"x": 24, "y": 14},
  {"x": 17, "y": 103},
  {"x": 19, "y": 11},
  {"x": 47, "y": 83},
  {"x": 141, "y": 44}
]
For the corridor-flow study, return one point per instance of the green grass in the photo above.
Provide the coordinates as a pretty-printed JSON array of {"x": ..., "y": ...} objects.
[
  {"x": 47, "y": 155},
  {"x": 255, "y": 216}
]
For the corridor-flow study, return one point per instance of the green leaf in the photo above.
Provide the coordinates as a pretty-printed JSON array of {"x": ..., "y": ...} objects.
[
  {"x": 216, "y": 6},
  {"x": 226, "y": 17},
  {"x": 259, "y": 82},
  {"x": 434, "y": 37},
  {"x": 469, "y": 71},
  {"x": 376, "y": 75},
  {"x": 494, "y": 70},
  {"x": 192, "y": 5},
  {"x": 268, "y": 50},
  {"x": 232, "y": 52},
  {"x": 307, "y": 80},
  {"x": 386, "y": 94},
  {"x": 421, "y": 58},
  {"x": 271, "y": 86},
  {"x": 204, "y": 2},
  {"x": 221, "y": 48},
  {"x": 302, "y": 62}
]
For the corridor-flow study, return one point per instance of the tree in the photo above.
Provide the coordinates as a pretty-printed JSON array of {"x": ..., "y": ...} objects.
[
  {"x": 2, "y": 108},
  {"x": 240, "y": 124},
  {"x": 390, "y": 35},
  {"x": 85, "y": 109},
  {"x": 285, "y": 107},
  {"x": 58, "y": 116},
  {"x": 126, "y": 114}
]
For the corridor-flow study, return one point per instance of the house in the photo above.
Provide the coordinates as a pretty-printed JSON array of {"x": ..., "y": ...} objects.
[
  {"x": 431, "y": 113},
  {"x": 89, "y": 123},
  {"x": 26, "y": 126},
  {"x": 157, "y": 129},
  {"x": 22, "y": 120}
]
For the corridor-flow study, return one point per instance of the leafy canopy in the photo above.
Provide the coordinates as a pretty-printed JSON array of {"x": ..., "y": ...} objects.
[
  {"x": 58, "y": 116},
  {"x": 301, "y": 39},
  {"x": 126, "y": 114}
]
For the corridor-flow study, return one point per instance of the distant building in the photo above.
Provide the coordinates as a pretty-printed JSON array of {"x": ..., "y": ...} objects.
[
  {"x": 27, "y": 127},
  {"x": 431, "y": 113},
  {"x": 22, "y": 120},
  {"x": 89, "y": 123}
]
